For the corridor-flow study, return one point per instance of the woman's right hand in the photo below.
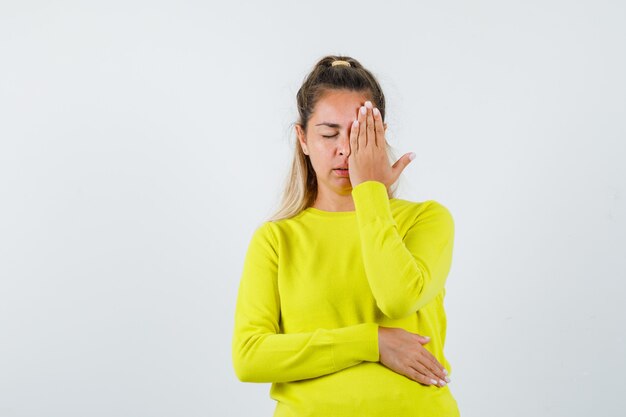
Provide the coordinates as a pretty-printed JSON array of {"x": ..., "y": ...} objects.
[{"x": 403, "y": 353}]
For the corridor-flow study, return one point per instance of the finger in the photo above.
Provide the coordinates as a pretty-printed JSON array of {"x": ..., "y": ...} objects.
[
  {"x": 426, "y": 374},
  {"x": 354, "y": 136},
  {"x": 434, "y": 366},
  {"x": 417, "y": 376},
  {"x": 400, "y": 164},
  {"x": 428, "y": 357},
  {"x": 362, "y": 139},
  {"x": 371, "y": 132},
  {"x": 379, "y": 128}
]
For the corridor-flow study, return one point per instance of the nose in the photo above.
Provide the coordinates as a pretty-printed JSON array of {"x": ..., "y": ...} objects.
[{"x": 344, "y": 146}]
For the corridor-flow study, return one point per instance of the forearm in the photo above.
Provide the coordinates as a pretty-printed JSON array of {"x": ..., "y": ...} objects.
[
  {"x": 404, "y": 273},
  {"x": 272, "y": 357},
  {"x": 395, "y": 276},
  {"x": 263, "y": 352}
]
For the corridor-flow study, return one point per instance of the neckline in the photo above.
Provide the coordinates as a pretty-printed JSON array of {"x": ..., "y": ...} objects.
[{"x": 332, "y": 214}]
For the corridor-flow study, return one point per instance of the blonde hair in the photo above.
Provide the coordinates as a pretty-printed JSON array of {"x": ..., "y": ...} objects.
[{"x": 300, "y": 187}]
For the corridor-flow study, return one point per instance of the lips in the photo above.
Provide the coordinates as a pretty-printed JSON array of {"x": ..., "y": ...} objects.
[{"x": 342, "y": 172}]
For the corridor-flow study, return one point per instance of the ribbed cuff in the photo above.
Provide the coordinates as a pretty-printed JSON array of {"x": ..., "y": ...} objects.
[
  {"x": 371, "y": 201},
  {"x": 356, "y": 343}
]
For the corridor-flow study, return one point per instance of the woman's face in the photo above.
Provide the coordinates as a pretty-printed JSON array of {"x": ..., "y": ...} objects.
[{"x": 327, "y": 139}]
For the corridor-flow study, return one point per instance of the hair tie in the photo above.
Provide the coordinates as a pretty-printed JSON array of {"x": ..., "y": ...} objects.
[{"x": 340, "y": 62}]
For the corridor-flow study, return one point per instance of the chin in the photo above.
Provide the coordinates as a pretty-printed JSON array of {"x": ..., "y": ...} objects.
[{"x": 345, "y": 190}]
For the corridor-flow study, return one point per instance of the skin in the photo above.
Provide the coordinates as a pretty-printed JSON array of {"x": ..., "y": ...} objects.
[
  {"x": 346, "y": 131},
  {"x": 336, "y": 146}
]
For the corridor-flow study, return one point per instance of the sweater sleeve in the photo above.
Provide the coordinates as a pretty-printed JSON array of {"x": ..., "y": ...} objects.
[
  {"x": 404, "y": 272},
  {"x": 261, "y": 353}
]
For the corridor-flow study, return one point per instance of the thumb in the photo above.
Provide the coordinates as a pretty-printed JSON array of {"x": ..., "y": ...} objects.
[{"x": 402, "y": 163}]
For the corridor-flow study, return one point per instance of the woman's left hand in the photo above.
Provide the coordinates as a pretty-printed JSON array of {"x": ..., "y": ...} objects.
[{"x": 368, "y": 160}]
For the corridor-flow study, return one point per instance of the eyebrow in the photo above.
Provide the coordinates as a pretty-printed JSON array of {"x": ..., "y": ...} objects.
[{"x": 333, "y": 125}]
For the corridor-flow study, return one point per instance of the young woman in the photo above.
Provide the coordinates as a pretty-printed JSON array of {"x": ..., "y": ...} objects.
[{"x": 340, "y": 304}]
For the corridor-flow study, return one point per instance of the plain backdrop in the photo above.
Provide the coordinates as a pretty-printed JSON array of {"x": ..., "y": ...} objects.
[{"x": 142, "y": 142}]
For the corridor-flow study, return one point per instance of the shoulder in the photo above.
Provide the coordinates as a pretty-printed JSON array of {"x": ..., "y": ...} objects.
[
  {"x": 421, "y": 213},
  {"x": 272, "y": 232},
  {"x": 265, "y": 232},
  {"x": 263, "y": 238}
]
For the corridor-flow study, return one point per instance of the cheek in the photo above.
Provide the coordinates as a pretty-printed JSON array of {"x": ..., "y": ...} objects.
[
  {"x": 321, "y": 155},
  {"x": 323, "y": 149}
]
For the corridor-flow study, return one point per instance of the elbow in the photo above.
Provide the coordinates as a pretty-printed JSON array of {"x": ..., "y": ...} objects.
[
  {"x": 244, "y": 370},
  {"x": 244, "y": 374},
  {"x": 410, "y": 303},
  {"x": 401, "y": 302},
  {"x": 241, "y": 371},
  {"x": 396, "y": 309},
  {"x": 248, "y": 366}
]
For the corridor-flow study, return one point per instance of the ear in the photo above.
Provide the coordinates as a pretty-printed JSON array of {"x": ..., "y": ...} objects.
[
  {"x": 385, "y": 126},
  {"x": 302, "y": 139}
]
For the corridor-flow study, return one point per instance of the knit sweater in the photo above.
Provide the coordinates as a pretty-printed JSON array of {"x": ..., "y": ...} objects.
[{"x": 315, "y": 288}]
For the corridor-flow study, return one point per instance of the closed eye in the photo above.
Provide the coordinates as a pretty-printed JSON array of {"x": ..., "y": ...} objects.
[{"x": 325, "y": 136}]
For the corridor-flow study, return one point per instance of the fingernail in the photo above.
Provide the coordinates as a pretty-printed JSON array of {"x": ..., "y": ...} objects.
[
  {"x": 412, "y": 156},
  {"x": 363, "y": 110},
  {"x": 432, "y": 381},
  {"x": 442, "y": 383},
  {"x": 445, "y": 372},
  {"x": 368, "y": 104},
  {"x": 376, "y": 112},
  {"x": 355, "y": 123},
  {"x": 448, "y": 379}
]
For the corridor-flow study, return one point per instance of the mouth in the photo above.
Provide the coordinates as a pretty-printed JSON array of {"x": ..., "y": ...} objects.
[{"x": 342, "y": 172}]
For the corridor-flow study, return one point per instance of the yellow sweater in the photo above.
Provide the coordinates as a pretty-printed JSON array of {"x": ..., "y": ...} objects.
[{"x": 314, "y": 290}]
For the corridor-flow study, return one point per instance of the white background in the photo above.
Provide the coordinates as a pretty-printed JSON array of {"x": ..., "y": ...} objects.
[{"x": 141, "y": 143}]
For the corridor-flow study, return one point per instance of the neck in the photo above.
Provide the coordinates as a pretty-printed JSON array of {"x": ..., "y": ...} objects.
[{"x": 334, "y": 201}]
